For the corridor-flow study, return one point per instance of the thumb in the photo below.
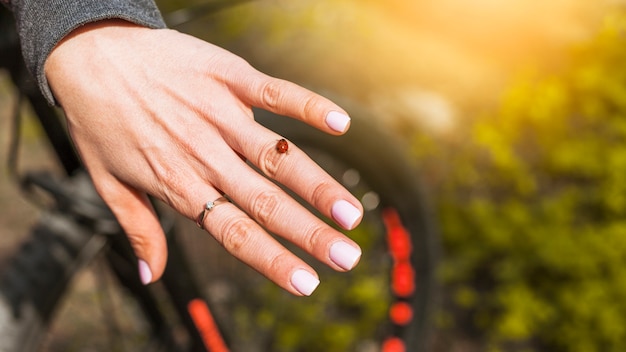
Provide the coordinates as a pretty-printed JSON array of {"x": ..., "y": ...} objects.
[{"x": 137, "y": 217}]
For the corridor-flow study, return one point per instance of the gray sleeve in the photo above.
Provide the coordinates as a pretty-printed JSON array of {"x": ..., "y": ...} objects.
[{"x": 41, "y": 24}]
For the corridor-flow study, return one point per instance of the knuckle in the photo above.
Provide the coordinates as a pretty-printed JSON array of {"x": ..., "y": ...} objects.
[
  {"x": 271, "y": 93},
  {"x": 175, "y": 189},
  {"x": 236, "y": 233},
  {"x": 137, "y": 242},
  {"x": 321, "y": 191},
  {"x": 311, "y": 239},
  {"x": 279, "y": 262},
  {"x": 312, "y": 106},
  {"x": 171, "y": 182},
  {"x": 265, "y": 206},
  {"x": 270, "y": 161}
]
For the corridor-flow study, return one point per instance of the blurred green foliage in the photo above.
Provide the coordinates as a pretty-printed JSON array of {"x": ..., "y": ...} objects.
[{"x": 533, "y": 207}]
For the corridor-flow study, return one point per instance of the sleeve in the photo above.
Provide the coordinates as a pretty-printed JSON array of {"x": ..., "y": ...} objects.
[{"x": 41, "y": 24}]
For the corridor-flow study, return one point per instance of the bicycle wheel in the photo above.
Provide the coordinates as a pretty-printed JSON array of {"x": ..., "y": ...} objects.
[
  {"x": 35, "y": 287},
  {"x": 36, "y": 278},
  {"x": 384, "y": 304},
  {"x": 68, "y": 289}
]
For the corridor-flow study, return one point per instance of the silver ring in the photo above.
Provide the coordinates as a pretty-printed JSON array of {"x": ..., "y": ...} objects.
[{"x": 207, "y": 208}]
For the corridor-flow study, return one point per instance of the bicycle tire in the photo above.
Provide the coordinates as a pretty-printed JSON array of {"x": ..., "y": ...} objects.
[
  {"x": 39, "y": 280},
  {"x": 36, "y": 278}
]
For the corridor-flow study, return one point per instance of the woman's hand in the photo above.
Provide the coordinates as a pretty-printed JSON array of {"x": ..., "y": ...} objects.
[{"x": 162, "y": 113}]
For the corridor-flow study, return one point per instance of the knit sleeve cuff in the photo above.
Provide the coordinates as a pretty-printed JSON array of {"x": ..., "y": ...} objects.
[{"x": 42, "y": 24}]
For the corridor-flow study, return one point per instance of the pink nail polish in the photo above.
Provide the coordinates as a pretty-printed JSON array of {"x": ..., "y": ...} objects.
[
  {"x": 144, "y": 272},
  {"x": 337, "y": 121},
  {"x": 344, "y": 255},
  {"x": 304, "y": 282},
  {"x": 345, "y": 214}
]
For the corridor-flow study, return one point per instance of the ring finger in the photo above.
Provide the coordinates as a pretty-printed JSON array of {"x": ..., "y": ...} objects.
[
  {"x": 245, "y": 239},
  {"x": 276, "y": 211}
]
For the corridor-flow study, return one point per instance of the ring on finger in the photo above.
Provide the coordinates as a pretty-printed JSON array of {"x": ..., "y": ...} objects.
[{"x": 207, "y": 208}]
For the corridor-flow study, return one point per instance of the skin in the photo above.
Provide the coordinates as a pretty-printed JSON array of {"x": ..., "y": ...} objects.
[{"x": 162, "y": 113}]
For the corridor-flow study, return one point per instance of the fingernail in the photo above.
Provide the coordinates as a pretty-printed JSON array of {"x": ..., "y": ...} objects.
[
  {"x": 337, "y": 121},
  {"x": 144, "y": 272},
  {"x": 304, "y": 282},
  {"x": 344, "y": 255},
  {"x": 345, "y": 214}
]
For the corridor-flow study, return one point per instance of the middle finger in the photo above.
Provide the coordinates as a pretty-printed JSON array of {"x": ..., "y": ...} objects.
[{"x": 296, "y": 171}]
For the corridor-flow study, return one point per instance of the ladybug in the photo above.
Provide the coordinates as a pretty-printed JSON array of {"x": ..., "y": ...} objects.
[{"x": 282, "y": 146}]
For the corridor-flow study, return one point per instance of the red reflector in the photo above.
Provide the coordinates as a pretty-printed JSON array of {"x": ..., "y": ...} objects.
[
  {"x": 401, "y": 313},
  {"x": 202, "y": 318},
  {"x": 403, "y": 280},
  {"x": 393, "y": 344},
  {"x": 399, "y": 244}
]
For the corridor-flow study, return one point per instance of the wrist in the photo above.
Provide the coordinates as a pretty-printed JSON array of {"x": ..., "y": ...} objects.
[
  {"x": 88, "y": 52},
  {"x": 42, "y": 24}
]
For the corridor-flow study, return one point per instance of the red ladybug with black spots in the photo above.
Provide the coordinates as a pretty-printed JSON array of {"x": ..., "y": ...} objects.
[{"x": 282, "y": 146}]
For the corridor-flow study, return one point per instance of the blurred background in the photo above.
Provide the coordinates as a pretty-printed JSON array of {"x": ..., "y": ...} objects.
[{"x": 516, "y": 112}]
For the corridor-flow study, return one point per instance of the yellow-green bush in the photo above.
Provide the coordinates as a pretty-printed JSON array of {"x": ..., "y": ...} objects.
[{"x": 533, "y": 208}]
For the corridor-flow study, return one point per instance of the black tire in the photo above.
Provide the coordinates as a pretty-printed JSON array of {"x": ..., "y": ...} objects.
[
  {"x": 35, "y": 280},
  {"x": 79, "y": 238},
  {"x": 37, "y": 284}
]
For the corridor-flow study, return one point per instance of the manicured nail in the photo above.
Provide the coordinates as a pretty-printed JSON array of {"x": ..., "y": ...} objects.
[
  {"x": 304, "y": 282},
  {"x": 345, "y": 214},
  {"x": 344, "y": 255},
  {"x": 337, "y": 121},
  {"x": 144, "y": 272}
]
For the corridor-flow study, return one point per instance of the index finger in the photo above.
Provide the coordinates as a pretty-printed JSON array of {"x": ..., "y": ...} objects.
[{"x": 289, "y": 99}]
